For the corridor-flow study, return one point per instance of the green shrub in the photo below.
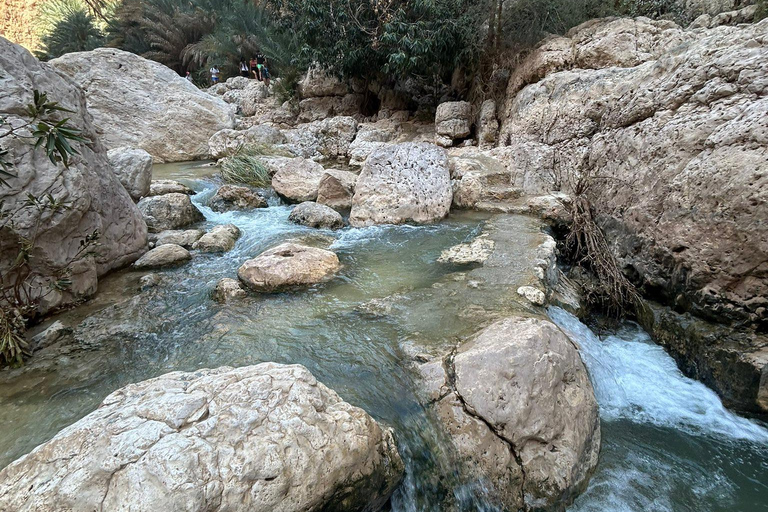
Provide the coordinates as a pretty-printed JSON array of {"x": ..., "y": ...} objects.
[{"x": 245, "y": 169}]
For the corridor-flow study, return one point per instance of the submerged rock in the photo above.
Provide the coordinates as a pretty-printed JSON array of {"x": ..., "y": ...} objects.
[
  {"x": 265, "y": 438},
  {"x": 169, "y": 211},
  {"x": 288, "y": 265},
  {"x": 477, "y": 251},
  {"x": 95, "y": 199},
  {"x": 228, "y": 289},
  {"x": 133, "y": 167},
  {"x": 164, "y": 256},
  {"x": 521, "y": 412},
  {"x": 233, "y": 197},
  {"x": 316, "y": 216},
  {"x": 219, "y": 239},
  {"x": 142, "y": 104},
  {"x": 402, "y": 183}
]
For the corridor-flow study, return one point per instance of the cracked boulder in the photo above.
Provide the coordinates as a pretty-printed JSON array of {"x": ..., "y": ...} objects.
[
  {"x": 519, "y": 407},
  {"x": 268, "y": 437}
]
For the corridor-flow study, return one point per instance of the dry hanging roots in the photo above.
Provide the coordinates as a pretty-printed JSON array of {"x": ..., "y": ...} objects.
[{"x": 586, "y": 242}]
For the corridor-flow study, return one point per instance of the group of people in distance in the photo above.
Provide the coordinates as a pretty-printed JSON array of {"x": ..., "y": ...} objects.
[{"x": 255, "y": 68}]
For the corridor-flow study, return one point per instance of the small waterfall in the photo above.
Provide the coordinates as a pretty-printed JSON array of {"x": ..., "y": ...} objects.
[{"x": 668, "y": 442}]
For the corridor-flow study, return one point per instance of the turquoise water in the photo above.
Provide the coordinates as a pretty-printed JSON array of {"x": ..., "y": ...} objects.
[{"x": 668, "y": 444}]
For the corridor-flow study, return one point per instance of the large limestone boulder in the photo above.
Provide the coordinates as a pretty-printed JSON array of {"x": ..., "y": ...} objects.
[
  {"x": 288, "y": 265},
  {"x": 95, "y": 199},
  {"x": 369, "y": 138},
  {"x": 133, "y": 167},
  {"x": 329, "y": 138},
  {"x": 227, "y": 142},
  {"x": 298, "y": 179},
  {"x": 521, "y": 412},
  {"x": 336, "y": 189},
  {"x": 169, "y": 211},
  {"x": 402, "y": 183},
  {"x": 265, "y": 438},
  {"x": 234, "y": 197},
  {"x": 675, "y": 144},
  {"x": 316, "y": 215},
  {"x": 142, "y": 104}
]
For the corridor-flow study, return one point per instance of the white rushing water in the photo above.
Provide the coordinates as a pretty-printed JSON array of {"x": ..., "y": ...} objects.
[{"x": 668, "y": 442}]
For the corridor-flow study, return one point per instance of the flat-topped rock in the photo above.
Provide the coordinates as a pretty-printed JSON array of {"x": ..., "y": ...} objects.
[
  {"x": 219, "y": 239},
  {"x": 167, "y": 255},
  {"x": 162, "y": 187},
  {"x": 288, "y": 265},
  {"x": 250, "y": 438},
  {"x": 184, "y": 238}
]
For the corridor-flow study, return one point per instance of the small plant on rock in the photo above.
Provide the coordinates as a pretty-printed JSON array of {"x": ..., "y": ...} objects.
[{"x": 22, "y": 287}]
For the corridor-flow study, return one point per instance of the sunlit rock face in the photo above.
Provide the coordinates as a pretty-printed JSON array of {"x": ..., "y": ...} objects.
[
  {"x": 94, "y": 198},
  {"x": 142, "y": 104}
]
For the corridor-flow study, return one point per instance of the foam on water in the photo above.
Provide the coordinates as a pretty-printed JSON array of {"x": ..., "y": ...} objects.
[
  {"x": 668, "y": 442},
  {"x": 637, "y": 380}
]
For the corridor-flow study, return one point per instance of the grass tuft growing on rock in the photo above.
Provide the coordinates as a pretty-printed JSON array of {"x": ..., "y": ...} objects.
[{"x": 245, "y": 168}]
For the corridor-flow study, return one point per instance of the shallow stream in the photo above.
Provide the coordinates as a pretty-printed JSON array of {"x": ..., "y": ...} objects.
[{"x": 668, "y": 444}]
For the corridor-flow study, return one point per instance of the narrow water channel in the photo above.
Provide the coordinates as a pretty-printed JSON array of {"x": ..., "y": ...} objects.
[{"x": 667, "y": 442}]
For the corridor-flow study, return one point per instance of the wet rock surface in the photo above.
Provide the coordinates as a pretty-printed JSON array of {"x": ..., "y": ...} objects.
[
  {"x": 316, "y": 215},
  {"x": 167, "y": 255},
  {"x": 519, "y": 406},
  {"x": 169, "y": 211},
  {"x": 233, "y": 197},
  {"x": 288, "y": 265}
]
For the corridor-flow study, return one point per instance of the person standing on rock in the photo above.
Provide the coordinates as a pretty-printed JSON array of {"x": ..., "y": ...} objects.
[
  {"x": 215, "y": 74},
  {"x": 261, "y": 62},
  {"x": 188, "y": 76},
  {"x": 254, "y": 68},
  {"x": 244, "y": 68}
]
